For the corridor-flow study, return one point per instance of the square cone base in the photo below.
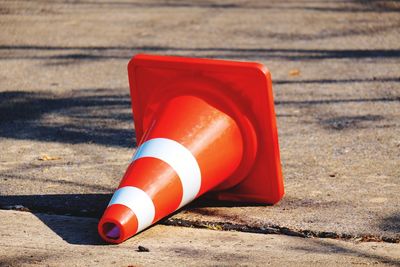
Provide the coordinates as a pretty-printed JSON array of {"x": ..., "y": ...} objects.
[{"x": 248, "y": 85}]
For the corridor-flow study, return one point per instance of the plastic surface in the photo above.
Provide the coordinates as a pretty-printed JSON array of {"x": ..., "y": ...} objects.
[
  {"x": 186, "y": 152},
  {"x": 240, "y": 89},
  {"x": 203, "y": 125}
]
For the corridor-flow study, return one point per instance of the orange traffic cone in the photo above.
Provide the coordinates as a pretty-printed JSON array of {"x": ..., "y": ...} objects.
[{"x": 195, "y": 137}]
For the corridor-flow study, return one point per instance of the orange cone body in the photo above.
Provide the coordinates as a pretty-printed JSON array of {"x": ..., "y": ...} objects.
[{"x": 193, "y": 143}]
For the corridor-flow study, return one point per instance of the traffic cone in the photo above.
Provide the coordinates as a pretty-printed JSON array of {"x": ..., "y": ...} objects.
[{"x": 192, "y": 141}]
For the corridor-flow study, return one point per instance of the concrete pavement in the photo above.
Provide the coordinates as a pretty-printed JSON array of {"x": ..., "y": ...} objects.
[
  {"x": 40, "y": 239},
  {"x": 335, "y": 67}
]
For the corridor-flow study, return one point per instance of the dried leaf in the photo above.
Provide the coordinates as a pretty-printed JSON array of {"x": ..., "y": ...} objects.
[
  {"x": 294, "y": 72},
  {"x": 214, "y": 227},
  {"x": 47, "y": 158}
]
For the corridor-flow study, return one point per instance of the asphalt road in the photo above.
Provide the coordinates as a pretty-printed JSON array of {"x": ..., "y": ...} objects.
[{"x": 335, "y": 66}]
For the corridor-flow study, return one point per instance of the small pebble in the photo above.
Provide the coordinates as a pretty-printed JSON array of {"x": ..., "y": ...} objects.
[{"x": 143, "y": 249}]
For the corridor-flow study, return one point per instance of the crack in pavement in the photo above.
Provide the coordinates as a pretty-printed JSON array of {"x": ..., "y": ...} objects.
[
  {"x": 220, "y": 226},
  {"x": 276, "y": 229}
]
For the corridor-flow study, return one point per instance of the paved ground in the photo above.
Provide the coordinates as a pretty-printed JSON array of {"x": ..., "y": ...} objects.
[
  {"x": 335, "y": 67},
  {"x": 171, "y": 246}
]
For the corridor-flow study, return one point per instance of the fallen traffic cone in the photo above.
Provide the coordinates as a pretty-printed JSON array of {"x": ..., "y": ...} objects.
[{"x": 204, "y": 125}]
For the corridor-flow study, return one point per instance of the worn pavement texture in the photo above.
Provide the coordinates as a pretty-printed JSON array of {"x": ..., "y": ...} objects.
[
  {"x": 171, "y": 246},
  {"x": 66, "y": 131}
]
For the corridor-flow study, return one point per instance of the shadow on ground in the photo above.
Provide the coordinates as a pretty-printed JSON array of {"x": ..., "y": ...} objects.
[
  {"x": 391, "y": 224},
  {"x": 79, "y": 54},
  {"x": 87, "y": 205},
  {"x": 74, "y": 206},
  {"x": 99, "y": 116},
  {"x": 103, "y": 116},
  {"x": 355, "y": 6},
  {"x": 73, "y": 230}
]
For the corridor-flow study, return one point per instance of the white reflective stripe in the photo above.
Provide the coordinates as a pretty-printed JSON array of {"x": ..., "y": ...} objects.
[
  {"x": 178, "y": 158},
  {"x": 138, "y": 201}
]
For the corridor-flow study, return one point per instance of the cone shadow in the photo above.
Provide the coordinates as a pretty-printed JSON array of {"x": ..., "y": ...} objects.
[
  {"x": 78, "y": 214},
  {"x": 74, "y": 230}
]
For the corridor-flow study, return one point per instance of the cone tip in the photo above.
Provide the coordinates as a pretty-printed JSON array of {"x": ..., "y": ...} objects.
[{"x": 111, "y": 232}]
